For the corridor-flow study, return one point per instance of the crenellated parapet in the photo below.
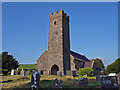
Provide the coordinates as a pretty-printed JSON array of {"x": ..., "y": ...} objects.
[{"x": 58, "y": 13}]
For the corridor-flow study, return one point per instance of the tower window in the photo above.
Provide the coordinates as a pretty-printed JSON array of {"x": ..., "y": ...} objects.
[{"x": 54, "y": 22}]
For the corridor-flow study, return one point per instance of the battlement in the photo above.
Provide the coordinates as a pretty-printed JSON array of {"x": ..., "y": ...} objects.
[{"x": 56, "y": 13}]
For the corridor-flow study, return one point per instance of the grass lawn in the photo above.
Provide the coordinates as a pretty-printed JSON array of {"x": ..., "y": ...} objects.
[
  {"x": 26, "y": 66},
  {"x": 16, "y": 82}
]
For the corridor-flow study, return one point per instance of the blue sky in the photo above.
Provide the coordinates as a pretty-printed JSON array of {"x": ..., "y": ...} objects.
[{"x": 93, "y": 29}]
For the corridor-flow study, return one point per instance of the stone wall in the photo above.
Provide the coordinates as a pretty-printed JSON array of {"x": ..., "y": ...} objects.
[{"x": 58, "y": 45}]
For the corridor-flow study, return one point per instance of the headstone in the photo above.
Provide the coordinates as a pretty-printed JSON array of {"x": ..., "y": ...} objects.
[
  {"x": 69, "y": 73},
  {"x": 35, "y": 79},
  {"x": 98, "y": 78},
  {"x": 74, "y": 73},
  {"x": 22, "y": 73},
  {"x": 118, "y": 77},
  {"x": 57, "y": 83},
  {"x": 28, "y": 72},
  {"x": 16, "y": 72},
  {"x": 83, "y": 81},
  {"x": 109, "y": 82},
  {"x": 12, "y": 72},
  {"x": 59, "y": 74}
]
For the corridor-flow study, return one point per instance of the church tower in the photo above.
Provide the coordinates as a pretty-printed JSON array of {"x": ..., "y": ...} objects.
[{"x": 59, "y": 43}]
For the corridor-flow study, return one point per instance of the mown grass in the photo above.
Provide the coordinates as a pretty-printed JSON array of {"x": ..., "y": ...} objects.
[
  {"x": 17, "y": 82},
  {"x": 26, "y": 66}
]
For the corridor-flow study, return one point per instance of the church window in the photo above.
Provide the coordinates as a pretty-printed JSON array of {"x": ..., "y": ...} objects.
[{"x": 54, "y": 22}]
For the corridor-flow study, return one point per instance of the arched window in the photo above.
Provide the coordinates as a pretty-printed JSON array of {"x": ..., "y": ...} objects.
[{"x": 54, "y": 22}]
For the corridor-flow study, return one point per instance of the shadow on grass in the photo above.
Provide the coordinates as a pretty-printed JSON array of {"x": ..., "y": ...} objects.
[{"x": 8, "y": 81}]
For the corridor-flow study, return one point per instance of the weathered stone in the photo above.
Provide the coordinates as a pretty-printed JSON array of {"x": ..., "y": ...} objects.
[
  {"x": 16, "y": 72},
  {"x": 83, "y": 81},
  {"x": 109, "y": 82},
  {"x": 118, "y": 77},
  {"x": 22, "y": 73},
  {"x": 59, "y": 57},
  {"x": 69, "y": 73},
  {"x": 57, "y": 83},
  {"x": 58, "y": 54},
  {"x": 59, "y": 74},
  {"x": 28, "y": 72},
  {"x": 35, "y": 80}
]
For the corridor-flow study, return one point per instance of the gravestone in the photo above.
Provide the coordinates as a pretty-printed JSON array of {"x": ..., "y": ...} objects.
[
  {"x": 57, "y": 83},
  {"x": 16, "y": 72},
  {"x": 22, "y": 73},
  {"x": 74, "y": 73},
  {"x": 12, "y": 72},
  {"x": 69, "y": 73},
  {"x": 28, "y": 72},
  {"x": 118, "y": 77},
  {"x": 109, "y": 82},
  {"x": 98, "y": 78},
  {"x": 83, "y": 81},
  {"x": 35, "y": 79},
  {"x": 59, "y": 74}
]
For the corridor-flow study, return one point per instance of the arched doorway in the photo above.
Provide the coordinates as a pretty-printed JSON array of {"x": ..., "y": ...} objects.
[{"x": 54, "y": 70}]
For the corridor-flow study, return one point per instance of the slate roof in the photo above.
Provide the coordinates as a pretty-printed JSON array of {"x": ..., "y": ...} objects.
[
  {"x": 79, "y": 56},
  {"x": 88, "y": 64}
]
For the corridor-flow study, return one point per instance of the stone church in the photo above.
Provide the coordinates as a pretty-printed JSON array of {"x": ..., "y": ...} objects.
[{"x": 59, "y": 57}]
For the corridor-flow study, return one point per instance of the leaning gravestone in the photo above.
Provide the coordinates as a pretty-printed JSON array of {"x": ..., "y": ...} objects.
[
  {"x": 12, "y": 72},
  {"x": 35, "y": 79},
  {"x": 83, "y": 81},
  {"x": 22, "y": 73},
  {"x": 57, "y": 83},
  {"x": 109, "y": 82},
  {"x": 59, "y": 74},
  {"x": 28, "y": 72}
]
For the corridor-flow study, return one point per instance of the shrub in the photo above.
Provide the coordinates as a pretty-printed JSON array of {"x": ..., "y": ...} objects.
[{"x": 84, "y": 71}]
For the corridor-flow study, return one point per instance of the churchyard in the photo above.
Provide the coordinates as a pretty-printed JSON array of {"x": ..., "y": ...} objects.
[{"x": 17, "y": 81}]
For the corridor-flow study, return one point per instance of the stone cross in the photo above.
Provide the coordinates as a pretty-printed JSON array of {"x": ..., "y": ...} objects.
[
  {"x": 57, "y": 83},
  {"x": 35, "y": 79},
  {"x": 12, "y": 72}
]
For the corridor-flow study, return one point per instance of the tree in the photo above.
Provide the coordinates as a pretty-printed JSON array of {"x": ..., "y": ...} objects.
[
  {"x": 114, "y": 67},
  {"x": 99, "y": 63},
  {"x": 8, "y": 62},
  {"x": 84, "y": 71}
]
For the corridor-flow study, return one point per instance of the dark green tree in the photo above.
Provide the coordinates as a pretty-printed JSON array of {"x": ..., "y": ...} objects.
[
  {"x": 114, "y": 67},
  {"x": 8, "y": 62},
  {"x": 99, "y": 63}
]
